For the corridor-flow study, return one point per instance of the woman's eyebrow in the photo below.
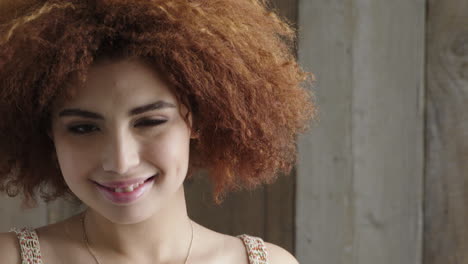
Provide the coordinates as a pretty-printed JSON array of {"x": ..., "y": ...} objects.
[
  {"x": 148, "y": 107},
  {"x": 135, "y": 111}
]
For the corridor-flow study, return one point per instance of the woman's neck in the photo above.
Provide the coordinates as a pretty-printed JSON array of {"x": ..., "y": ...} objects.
[{"x": 164, "y": 236}]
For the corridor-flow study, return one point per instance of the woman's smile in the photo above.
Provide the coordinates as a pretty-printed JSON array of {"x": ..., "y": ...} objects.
[
  {"x": 125, "y": 193},
  {"x": 121, "y": 186}
]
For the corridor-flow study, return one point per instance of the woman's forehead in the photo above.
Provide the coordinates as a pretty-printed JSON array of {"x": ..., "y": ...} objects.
[{"x": 126, "y": 81}]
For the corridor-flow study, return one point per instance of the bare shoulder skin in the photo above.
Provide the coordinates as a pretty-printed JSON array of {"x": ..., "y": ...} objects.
[
  {"x": 278, "y": 255},
  {"x": 234, "y": 251},
  {"x": 63, "y": 241},
  {"x": 9, "y": 248}
]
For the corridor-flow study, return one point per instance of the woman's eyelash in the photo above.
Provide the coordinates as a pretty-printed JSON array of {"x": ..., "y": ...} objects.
[
  {"x": 150, "y": 122},
  {"x": 82, "y": 129},
  {"x": 88, "y": 128}
]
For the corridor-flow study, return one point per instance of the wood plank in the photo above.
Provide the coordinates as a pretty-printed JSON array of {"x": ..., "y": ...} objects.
[
  {"x": 360, "y": 179},
  {"x": 240, "y": 213},
  {"x": 279, "y": 214},
  {"x": 280, "y": 197},
  {"x": 446, "y": 186},
  {"x": 324, "y": 211},
  {"x": 388, "y": 111}
]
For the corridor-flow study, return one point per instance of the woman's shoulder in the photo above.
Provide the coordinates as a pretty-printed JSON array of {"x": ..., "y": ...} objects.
[
  {"x": 277, "y": 255},
  {"x": 9, "y": 248},
  {"x": 217, "y": 247},
  {"x": 38, "y": 242},
  {"x": 236, "y": 249},
  {"x": 267, "y": 252}
]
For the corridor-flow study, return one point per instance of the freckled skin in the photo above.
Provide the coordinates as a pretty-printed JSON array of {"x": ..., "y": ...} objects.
[{"x": 118, "y": 147}]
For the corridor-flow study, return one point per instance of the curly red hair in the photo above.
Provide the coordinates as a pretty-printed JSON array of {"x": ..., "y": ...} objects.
[{"x": 230, "y": 62}]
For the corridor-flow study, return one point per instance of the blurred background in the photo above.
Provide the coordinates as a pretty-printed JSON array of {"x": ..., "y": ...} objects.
[{"x": 381, "y": 177}]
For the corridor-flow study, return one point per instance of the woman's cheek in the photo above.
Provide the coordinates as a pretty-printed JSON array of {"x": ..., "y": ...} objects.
[
  {"x": 169, "y": 150},
  {"x": 76, "y": 162}
]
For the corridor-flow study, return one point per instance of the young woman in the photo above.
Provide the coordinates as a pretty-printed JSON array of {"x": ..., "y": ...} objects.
[{"x": 117, "y": 102}]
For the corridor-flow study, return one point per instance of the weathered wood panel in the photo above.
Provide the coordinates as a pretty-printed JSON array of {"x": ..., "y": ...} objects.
[
  {"x": 388, "y": 111},
  {"x": 241, "y": 212},
  {"x": 446, "y": 186},
  {"x": 280, "y": 197},
  {"x": 324, "y": 217},
  {"x": 360, "y": 178}
]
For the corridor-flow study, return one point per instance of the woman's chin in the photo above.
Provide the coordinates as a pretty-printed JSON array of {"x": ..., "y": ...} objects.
[
  {"x": 126, "y": 215},
  {"x": 127, "y": 219}
]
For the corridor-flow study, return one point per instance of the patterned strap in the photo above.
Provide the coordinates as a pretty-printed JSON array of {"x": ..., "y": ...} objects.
[
  {"x": 256, "y": 249},
  {"x": 29, "y": 243}
]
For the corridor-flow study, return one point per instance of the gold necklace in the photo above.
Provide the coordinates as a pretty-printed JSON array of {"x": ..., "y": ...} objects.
[{"x": 86, "y": 241}]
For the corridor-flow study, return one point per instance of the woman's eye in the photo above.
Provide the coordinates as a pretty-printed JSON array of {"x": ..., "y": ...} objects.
[
  {"x": 82, "y": 129},
  {"x": 88, "y": 128},
  {"x": 150, "y": 122}
]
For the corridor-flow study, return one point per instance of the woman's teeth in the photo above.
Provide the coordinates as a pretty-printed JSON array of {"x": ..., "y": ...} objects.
[{"x": 129, "y": 188}]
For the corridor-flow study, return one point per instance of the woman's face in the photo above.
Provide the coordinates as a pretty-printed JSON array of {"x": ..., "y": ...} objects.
[{"x": 121, "y": 142}]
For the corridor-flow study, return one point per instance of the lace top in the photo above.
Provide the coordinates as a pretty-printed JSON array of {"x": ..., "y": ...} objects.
[
  {"x": 31, "y": 252},
  {"x": 29, "y": 244}
]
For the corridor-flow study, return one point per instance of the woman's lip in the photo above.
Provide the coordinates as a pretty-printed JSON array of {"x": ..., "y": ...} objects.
[
  {"x": 126, "y": 198},
  {"x": 125, "y": 183}
]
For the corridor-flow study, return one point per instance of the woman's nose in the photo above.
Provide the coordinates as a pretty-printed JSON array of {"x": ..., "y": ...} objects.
[{"x": 121, "y": 152}]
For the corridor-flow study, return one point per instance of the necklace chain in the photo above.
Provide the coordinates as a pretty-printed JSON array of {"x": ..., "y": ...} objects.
[{"x": 86, "y": 241}]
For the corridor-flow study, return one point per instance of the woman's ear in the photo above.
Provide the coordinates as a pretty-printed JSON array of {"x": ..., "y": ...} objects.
[
  {"x": 194, "y": 131},
  {"x": 188, "y": 116}
]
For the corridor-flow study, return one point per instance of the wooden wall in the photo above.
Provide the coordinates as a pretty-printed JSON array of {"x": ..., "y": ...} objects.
[
  {"x": 446, "y": 184},
  {"x": 360, "y": 176}
]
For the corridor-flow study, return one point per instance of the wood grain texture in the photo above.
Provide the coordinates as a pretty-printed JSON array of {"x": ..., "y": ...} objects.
[
  {"x": 359, "y": 183},
  {"x": 280, "y": 197},
  {"x": 446, "y": 186},
  {"x": 241, "y": 212},
  {"x": 325, "y": 212},
  {"x": 388, "y": 111}
]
